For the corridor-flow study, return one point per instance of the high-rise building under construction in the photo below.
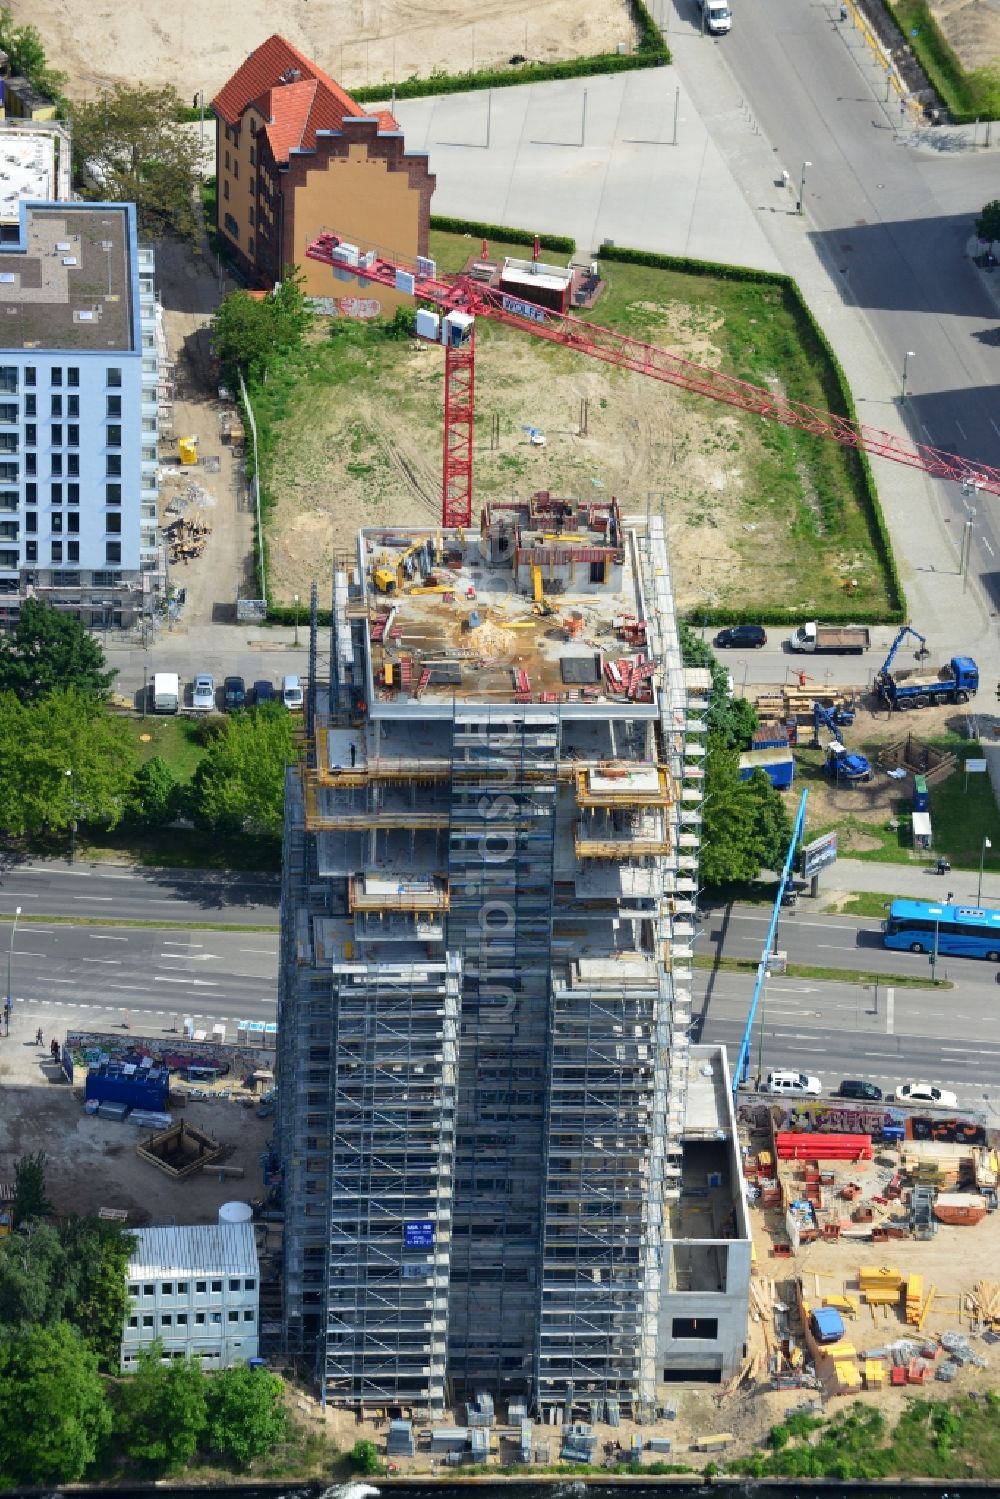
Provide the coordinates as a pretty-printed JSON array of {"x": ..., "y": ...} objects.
[{"x": 484, "y": 1060}]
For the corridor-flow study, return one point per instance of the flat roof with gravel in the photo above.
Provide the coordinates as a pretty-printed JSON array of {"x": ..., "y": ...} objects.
[{"x": 69, "y": 283}]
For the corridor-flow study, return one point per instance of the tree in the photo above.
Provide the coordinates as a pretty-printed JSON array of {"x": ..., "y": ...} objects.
[
  {"x": 772, "y": 827},
  {"x": 50, "y": 651},
  {"x": 63, "y": 759},
  {"x": 364, "y": 1456},
  {"x": 35, "y": 1279},
  {"x": 97, "y": 1255},
  {"x": 239, "y": 785},
  {"x": 249, "y": 333},
  {"x": 24, "y": 48},
  {"x": 988, "y": 223},
  {"x": 30, "y": 1200},
  {"x": 129, "y": 148},
  {"x": 731, "y": 719},
  {"x": 155, "y": 796},
  {"x": 161, "y": 1414},
  {"x": 55, "y": 1411},
  {"x": 245, "y": 1415}
]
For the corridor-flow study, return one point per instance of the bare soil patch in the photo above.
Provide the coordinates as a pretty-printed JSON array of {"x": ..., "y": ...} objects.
[
  {"x": 356, "y": 41},
  {"x": 972, "y": 28}
]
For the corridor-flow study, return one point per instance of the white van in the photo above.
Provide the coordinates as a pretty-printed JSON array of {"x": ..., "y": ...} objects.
[
  {"x": 717, "y": 18},
  {"x": 166, "y": 692},
  {"x": 797, "y": 1084},
  {"x": 291, "y": 693}
]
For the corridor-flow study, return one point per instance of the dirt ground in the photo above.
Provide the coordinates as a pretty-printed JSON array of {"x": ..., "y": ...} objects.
[
  {"x": 972, "y": 27},
  {"x": 356, "y": 41},
  {"x": 92, "y": 1163},
  {"x": 190, "y": 289}
]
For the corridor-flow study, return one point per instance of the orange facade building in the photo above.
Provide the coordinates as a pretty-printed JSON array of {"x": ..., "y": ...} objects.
[{"x": 296, "y": 156}]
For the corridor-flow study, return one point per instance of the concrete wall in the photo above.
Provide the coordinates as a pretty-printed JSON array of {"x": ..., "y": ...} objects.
[{"x": 724, "y": 1352}]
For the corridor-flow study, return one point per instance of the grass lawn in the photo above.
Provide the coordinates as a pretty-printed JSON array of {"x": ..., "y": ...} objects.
[
  {"x": 170, "y": 737},
  {"x": 864, "y": 903}
]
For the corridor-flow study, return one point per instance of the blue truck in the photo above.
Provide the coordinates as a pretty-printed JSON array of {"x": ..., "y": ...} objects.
[{"x": 924, "y": 687}]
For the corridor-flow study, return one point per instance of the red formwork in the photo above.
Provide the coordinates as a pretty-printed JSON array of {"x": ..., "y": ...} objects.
[{"x": 792, "y": 1146}]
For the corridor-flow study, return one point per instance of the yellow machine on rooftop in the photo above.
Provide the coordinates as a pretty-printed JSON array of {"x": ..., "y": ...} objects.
[{"x": 389, "y": 576}]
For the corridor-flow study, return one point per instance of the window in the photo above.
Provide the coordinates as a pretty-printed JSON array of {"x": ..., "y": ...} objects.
[
  {"x": 56, "y": 434},
  {"x": 695, "y": 1327},
  {"x": 55, "y": 463},
  {"x": 217, "y": 1288},
  {"x": 113, "y": 496},
  {"x": 30, "y": 434},
  {"x": 216, "y": 1319},
  {"x": 72, "y": 550},
  {"x": 233, "y": 1316},
  {"x": 56, "y": 550},
  {"x": 236, "y": 168},
  {"x": 166, "y": 1320},
  {"x": 73, "y": 465},
  {"x": 227, "y": 161},
  {"x": 72, "y": 405},
  {"x": 113, "y": 465},
  {"x": 114, "y": 378},
  {"x": 182, "y": 1319},
  {"x": 8, "y": 473},
  {"x": 31, "y": 551},
  {"x": 30, "y": 463},
  {"x": 167, "y": 1288},
  {"x": 8, "y": 499},
  {"x": 234, "y": 1285},
  {"x": 8, "y": 442},
  {"x": 57, "y": 523},
  {"x": 31, "y": 522},
  {"x": 73, "y": 377},
  {"x": 200, "y": 1287},
  {"x": 199, "y": 1319},
  {"x": 30, "y": 406},
  {"x": 147, "y": 1321},
  {"x": 31, "y": 494},
  {"x": 250, "y": 1284},
  {"x": 248, "y": 1315},
  {"x": 250, "y": 215},
  {"x": 249, "y": 244},
  {"x": 112, "y": 551},
  {"x": 103, "y": 580},
  {"x": 55, "y": 377},
  {"x": 55, "y": 494},
  {"x": 253, "y": 156},
  {"x": 182, "y": 1288},
  {"x": 232, "y": 228},
  {"x": 29, "y": 374},
  {"x": 133, "y": 1321},
  {"x": 149, "y": 455},
  {"x": 73, "y": 434},
  {"x": 114, "y": 406},
  {"x": 73, "y": 493},
  {"x": 55, "y": 403},
  {"x": 113, "y": 524},
  {"x": 8, "y": 412},
  {"x": 8, "y": 379},
  {"x": 73, "y": 524},
  {"x": 225, "y": 192},
  {"x": 114, "y": 437}
]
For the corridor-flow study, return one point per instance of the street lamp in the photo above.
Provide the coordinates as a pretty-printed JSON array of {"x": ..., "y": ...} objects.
[
  {"x": 10, "y": 968},
  {"x": 295, "y": 601},
  {"x": 802, "y": 186},
  {"x": 982, "y": 859},
  {"x": 72, "y": 826},
  {"x": 906, "y": 365}
]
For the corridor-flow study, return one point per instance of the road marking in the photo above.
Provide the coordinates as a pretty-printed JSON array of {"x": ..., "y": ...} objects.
[
  {"x": 115, "y": 962},
  {"x": 12, "y": 895},
  {"x": 99, "y": 937},
  {"x": 135, "y": 989},
  {"x": 890, "y": 1009},
  {"x": 995, "y": 427},
  {"x": 172, "y": 942},
  {"x": 986, "y": 545},
  {"x": 108, "y": 898},
  {"x": 836, "y": 947},
  {"x": 23, "y": 952},
  {"x": 198, "y": 983},
  {"x": 59, "y": 981}
]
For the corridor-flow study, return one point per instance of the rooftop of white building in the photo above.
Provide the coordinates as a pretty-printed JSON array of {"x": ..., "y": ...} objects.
[{"x": 194, "y": 1249}]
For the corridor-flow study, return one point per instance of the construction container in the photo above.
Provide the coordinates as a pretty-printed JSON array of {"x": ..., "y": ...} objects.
[
  {"x": 135, "y": 1087},
  {"x": 777, "y": 764}
]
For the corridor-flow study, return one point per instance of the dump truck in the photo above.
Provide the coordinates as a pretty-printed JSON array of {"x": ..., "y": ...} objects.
[
  {"x": 924, "y": 687},
  {"x": 834, "y": 640}
]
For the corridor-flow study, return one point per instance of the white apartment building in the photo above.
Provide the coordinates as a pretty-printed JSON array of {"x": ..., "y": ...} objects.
[{"x": 196, "y": 1288}]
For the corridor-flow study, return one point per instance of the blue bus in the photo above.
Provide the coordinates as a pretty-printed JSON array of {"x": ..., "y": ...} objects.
[{"x": 962, "y": 931}]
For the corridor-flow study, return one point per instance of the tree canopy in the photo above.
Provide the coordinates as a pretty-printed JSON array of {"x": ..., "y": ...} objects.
[
  {"x": 55, "y": 1410},
  {"x": 128, "y": 147},
  {"x": 249, "y": 333},
  {"x": 49, "y": 651},
  {"x": 161, "y": 1414},
  {"x": 30, "y": 1200},
  {"x": 63, "y": 759},
  {"x": 239, "y": 785},
  {"x": 246, "y": 1417},
  {"x": 988, "y": 222},
  {"x": 24, "y": 48}
]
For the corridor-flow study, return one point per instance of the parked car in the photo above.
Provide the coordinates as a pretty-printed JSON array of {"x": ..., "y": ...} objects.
[
  {"x": 234, "y": 694},
  {"x": 855, "y": 1088},
  {"x": 798, "y": 1084},
  {"x": 742, "y": 637},
  {"x": 291, "y": 693},
  {"x": 263, "y": 692},
  {"x": 203, "y": 693},
  {"x": 938, "y": 1098}
]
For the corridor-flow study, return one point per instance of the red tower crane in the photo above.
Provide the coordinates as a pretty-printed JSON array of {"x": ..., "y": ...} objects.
[{"x": 461, "y": 300}]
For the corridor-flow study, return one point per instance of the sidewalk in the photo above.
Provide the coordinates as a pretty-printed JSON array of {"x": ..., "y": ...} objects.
[{"x": 915, "y": 880}]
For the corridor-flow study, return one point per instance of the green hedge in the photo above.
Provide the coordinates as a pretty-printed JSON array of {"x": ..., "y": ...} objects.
[
  {"x": 511, "y": 74},
  {"x": 840, "y": 401},
  {"x": 560, "y": 242},
  {"x": 966, "y": 96}
]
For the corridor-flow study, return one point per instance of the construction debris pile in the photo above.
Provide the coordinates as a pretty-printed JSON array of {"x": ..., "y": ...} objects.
[{"x": 186, "y": 538}]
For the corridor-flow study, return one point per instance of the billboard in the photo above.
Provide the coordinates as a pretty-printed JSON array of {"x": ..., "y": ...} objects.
[
  {"x": 818, "y": 854},
  {"x": 418, "y": 1235}
]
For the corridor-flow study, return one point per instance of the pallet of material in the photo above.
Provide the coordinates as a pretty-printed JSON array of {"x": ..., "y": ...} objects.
[
  {"x": 914, "y": 1298},
  {"x": 792, "y": 1146},
  {"x": 874, "y": 1372},
  {"x": 985, "y": 1300},
  {"x": 880, "y": 1277}
]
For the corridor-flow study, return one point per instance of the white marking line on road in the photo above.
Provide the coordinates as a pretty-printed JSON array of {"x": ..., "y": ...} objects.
[
  {"x": 266, "y": 952},
  {"x": 23, "y": 952},
  {"x": 198, "y": 983},
  {"x": 995, "y": 427},
  {"x": 927, "y": 432},
  {"x": 796, "y": 921},
  {"x": 11, "y": 895},
  {"x": 94, "y": 897},
  {"x": 960, "y": 432},
  {"x": 135, "y": 989},
  {"x": 171, "y": 942},
  {"x": 97, "y": 937},
  {"x": 890, "y": 1009},
  {"x": 59, "y": 981},
  {"x": 115, "y": 962},
  {"x": 837, "y": 946},
  {"x": 986, "y": 545}
]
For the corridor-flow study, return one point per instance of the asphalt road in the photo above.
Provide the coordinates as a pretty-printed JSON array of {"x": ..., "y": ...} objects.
[
  {"x": 892, "y": 221},
  {"x": 85, "y": 891}
]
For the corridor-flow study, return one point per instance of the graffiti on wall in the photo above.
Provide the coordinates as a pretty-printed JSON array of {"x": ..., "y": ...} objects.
[
  {"x": 177, "y": 1055},
  {"x": 834, "y": 1116}
]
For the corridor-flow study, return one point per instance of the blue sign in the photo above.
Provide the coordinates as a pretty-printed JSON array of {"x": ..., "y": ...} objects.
[
  {"x": 530, "y": 310},
  {"x": 418, "y": 1235}
]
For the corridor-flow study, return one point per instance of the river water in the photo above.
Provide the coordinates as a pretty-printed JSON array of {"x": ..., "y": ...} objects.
[{"x": 560, "y": 1488}]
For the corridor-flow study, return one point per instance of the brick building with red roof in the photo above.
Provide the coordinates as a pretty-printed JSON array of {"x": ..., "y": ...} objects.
[{"x": 295, "y": 155}]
